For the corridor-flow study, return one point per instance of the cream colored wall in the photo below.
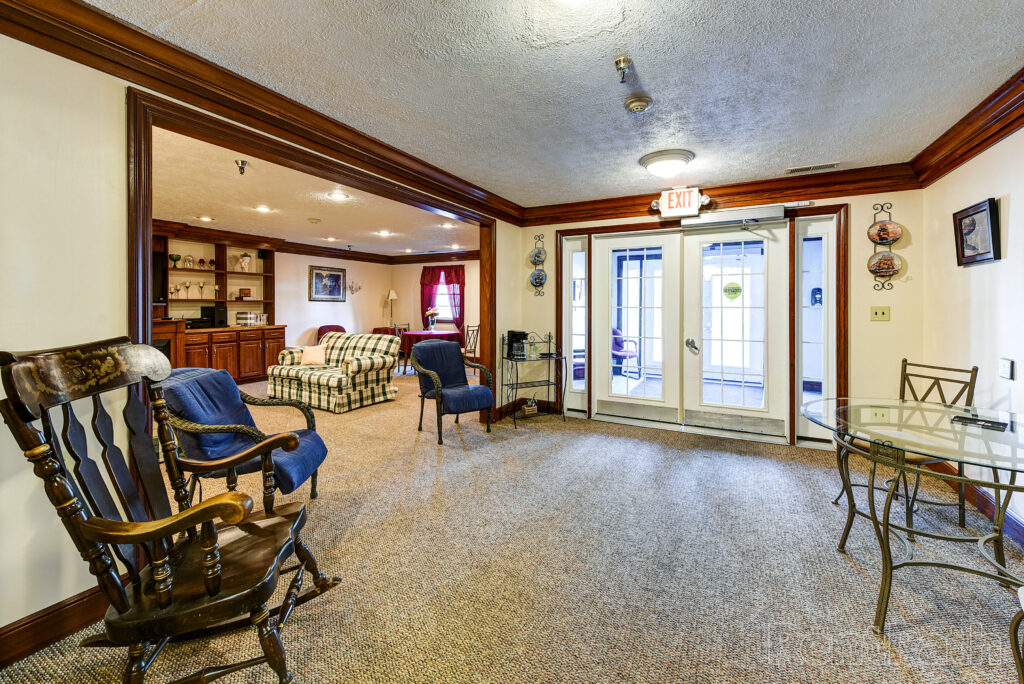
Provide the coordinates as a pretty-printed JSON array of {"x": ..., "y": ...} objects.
[
  {"x": 62, "y": 274},
  {"x": 875, "y": 348},
  {"x": 405, "y": 279},
  {"x": 361, "y": 311}
]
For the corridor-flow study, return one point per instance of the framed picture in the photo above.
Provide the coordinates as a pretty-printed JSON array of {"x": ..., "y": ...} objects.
[
  {"x": 245, "y": 292},
  {"x": 326, "y": 284},
  {"x": 976, "y": 231}
]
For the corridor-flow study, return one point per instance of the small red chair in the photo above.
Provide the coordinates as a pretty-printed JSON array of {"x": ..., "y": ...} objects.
[{"x": 324, "y": 329}]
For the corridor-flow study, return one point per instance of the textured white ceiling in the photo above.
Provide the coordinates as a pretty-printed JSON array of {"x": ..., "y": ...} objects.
[
  {"x": 192, "y": 178},
  {"x": 522, "y": 99}
]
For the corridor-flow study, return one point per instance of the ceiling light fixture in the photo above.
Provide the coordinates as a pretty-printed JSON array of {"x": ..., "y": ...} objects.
[
  {"x": 447, "y": 225},
  {"x": 330, "y": 239},
  {"x": 313, "y": 220},
  {"x": 408, "y": 251},
  {"x": 667, "y": 163},
  {"x": 337, "y": 196},
  {"x": 205, "y": 219},
  {"x": 384, "y": 233},
  {"x": 263, "y": 209},
  {"x": 454, "y": 246},
  {"x": 638, "y": 103}
]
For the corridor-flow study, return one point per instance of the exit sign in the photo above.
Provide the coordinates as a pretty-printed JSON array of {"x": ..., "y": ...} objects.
[{"x": 679, "y": 202}]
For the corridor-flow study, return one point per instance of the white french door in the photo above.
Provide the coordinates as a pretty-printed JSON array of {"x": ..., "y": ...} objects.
[
  {"x": 636, "y": 317},
  {"x": 575, "y": 320},
  {"x": 736, "y": 328},
  {"x": 815, "y": 318}
]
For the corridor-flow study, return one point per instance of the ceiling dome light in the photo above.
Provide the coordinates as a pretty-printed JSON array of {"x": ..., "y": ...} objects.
[
  {"x": 337, "y": 196},
  {"x": 447, "y": 225},
  {"x": 455, "y": 246},
  {"x": 383, "y": 233},
  {"x": 408, "y": 251},
  {"x": 263, "y": 209},
  {"x": 667, "y": 163},
  {"x": 205, "y": 219}
]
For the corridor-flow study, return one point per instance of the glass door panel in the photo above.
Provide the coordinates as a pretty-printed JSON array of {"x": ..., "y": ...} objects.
[
  {"x": 815, "y": 318},
  {"x": 575, "y": 320}
]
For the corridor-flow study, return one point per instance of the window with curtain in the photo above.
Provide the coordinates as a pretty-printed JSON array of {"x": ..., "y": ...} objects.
[{"x": 443, "y": 287}]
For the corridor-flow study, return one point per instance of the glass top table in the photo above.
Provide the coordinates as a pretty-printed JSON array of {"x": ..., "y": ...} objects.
[{"x": 926, "y": 429}]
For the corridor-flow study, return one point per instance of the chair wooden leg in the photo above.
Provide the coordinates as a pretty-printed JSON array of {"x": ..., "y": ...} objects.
[
  {"x": 439, "y": 440},
  {"x": 270, "y": 642},
  {"x": 422, "y": 402},
  {"x": 305, "y": 556},
  {"x": 313, "y": 493},
  {"x": 456, "y": 418},
  {"x": 135, "y": 671}
]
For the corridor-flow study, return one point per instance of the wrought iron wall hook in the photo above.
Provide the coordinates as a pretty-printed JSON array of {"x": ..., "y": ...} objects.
[{"x": 883, "y": 233}]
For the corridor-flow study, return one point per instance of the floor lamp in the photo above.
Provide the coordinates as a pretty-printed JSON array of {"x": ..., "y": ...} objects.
[{"x": 392, "y": 296}]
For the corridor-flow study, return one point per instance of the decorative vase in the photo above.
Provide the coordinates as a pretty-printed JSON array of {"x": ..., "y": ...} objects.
[
  {"x": 431, "y": 320},
  {"x": 243, "y": 263}
]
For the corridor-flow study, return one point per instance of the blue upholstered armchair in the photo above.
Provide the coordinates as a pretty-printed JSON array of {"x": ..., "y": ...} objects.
[
  {"x": 219, "y": 438},
  {"x": 442, "y": 371}
]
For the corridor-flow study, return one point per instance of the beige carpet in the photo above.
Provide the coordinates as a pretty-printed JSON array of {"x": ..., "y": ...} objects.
[{"x": 588, "y": 552}]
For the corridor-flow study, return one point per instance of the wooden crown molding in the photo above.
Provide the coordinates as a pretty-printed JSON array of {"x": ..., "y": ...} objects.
[
  {"x": 999, "y": 115},
  {"x": 185, "y": 231},
  {"x": 84, "y": 34},
  {"x": 89, "y": 36}
]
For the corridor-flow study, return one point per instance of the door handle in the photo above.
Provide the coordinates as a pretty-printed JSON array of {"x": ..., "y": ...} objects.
[{"x": 692, "y": 346}]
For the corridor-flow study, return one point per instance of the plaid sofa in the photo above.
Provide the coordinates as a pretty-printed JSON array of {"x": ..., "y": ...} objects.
[{"x": 359, "y": 372}]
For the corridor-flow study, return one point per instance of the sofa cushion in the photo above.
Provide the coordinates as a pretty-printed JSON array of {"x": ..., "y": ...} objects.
[
  {"x": 325, "y": 376},
  {"x": 444, "y": 357},
  {"x": 314, "y": 356},
  {"x": 210, "y": 398}
]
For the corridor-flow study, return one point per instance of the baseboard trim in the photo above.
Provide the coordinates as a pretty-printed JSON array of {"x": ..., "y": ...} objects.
[
  {"x": 49, "y": 625},
  {"x": 981, "y": 499}
]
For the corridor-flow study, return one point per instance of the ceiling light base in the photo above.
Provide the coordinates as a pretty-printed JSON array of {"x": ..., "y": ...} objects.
[{"x": 638, "y": 103}]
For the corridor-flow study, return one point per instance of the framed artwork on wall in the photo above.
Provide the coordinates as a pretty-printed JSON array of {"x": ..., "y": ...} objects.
[
  {"x": 326, "y": 284},
  {"x": 976, "y": 231}
]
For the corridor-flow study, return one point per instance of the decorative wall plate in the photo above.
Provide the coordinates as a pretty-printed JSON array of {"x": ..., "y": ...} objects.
[
  {"x": 538, "y": 255},
  {"x": 885, "y": 232},
  {"x": 885, "y": 264},
  {"x": 538, "y": 278}
]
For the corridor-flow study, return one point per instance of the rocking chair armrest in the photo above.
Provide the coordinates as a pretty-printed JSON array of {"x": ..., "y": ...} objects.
[
  {"x": 180, "y": 423},
  {"x": 231, "y": 507},
  {"x": 434, "y": 377},
  {"x": 288, "y": 441},
  {"x": 306, "y": 410},
  {"x": 480, "y": 366}
]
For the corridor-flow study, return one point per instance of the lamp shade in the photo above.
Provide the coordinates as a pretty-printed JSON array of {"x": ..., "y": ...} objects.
[{"x": 392, "y": 295}]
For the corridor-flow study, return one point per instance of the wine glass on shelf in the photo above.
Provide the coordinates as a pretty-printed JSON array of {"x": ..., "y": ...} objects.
[
  {"x": 216, "y": 291},
  {"x": 200, "y": 285},
  {"x": 172, "y": 292},
  {"x": 186, "y": 285}
]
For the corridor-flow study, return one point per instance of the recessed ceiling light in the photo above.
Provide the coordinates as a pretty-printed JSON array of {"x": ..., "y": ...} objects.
[
  {"x": 667, "y": 163},
  {"x": 338, "y": 196},
  {"x": 454, "y": 246},
  {"x": 330, "y": 239},
  {"x": 447, "y": 225},
  {"x": 313, "y": 220},
  {"x": 408, "y": 251},
  {"x": 206, "y": 219},
  {"x": 263, "y": 209},
  {"x": 384, "y": 233}
]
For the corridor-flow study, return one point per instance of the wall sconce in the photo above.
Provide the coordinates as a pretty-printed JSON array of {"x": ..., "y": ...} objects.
[{"x": 354, "y": 287}]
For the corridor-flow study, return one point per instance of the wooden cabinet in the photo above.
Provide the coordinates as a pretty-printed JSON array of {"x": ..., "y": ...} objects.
[
  {"x": 243, "y": 352},
  {"x": 250, "y": 359}
]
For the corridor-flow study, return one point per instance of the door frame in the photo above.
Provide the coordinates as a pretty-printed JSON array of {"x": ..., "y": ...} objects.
[
  {"x": 839, "y": 211},
  {"x": 146, "y": 110}
]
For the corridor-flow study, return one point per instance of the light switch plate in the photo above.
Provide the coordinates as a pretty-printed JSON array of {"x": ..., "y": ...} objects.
[
  {"x": 879, "y": 313},
  {"x": 1007, "y": 368}
]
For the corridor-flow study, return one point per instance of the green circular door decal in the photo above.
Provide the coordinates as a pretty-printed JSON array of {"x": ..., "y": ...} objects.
[{"x": 732, "y": 290}]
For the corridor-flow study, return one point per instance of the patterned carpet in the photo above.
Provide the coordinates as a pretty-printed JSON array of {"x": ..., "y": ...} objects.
[{"x": 588, "y": 552}]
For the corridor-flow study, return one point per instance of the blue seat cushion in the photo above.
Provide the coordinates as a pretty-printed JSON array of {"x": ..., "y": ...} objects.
[
  {"x": 208, "y": 399},
  {"x": 464, "y": 399},
  {"x": 291, "y": 468},
  {"x": 444, "y": 357}
]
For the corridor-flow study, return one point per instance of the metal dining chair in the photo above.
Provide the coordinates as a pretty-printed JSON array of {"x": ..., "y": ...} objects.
[
  {"x": 924, "y": 383},
  {"x": 400, "y": 329},
  {"x": 472, "y": 337}
]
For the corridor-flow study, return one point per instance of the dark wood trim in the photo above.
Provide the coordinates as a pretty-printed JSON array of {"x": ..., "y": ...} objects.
[
  {"x": 999, "y": 115},
  {"x": 51, "y": 624},
  {"x": 332, "y": 253},
  {"x": 140, "y": 209},
  {"x": 792, "y": 329},
  {"x": 86, "y": 35},
  {"x": 862, "y": 181},
  {"x": 488, "y": 340},
  {"x": 465, "y": 255}
]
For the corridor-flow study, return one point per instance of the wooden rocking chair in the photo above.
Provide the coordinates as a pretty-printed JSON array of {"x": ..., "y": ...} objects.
[{"x": 187, "y": 576}]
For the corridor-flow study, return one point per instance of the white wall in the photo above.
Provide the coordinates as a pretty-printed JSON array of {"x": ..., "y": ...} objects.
[
  {"x": 63, "y": 278},
  {"x": 361, "y": 312},
  {"x": 405, "y": 279}
]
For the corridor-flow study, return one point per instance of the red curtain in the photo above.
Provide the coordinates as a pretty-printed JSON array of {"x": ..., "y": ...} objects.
[{"x": 455, "y": 280}]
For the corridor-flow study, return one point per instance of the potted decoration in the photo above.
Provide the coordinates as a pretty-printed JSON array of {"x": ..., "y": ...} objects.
[{"x": 432, "y": 317}]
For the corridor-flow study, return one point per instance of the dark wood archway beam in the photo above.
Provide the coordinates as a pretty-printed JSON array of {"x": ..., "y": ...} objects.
[{"x": 91, "y": 37}]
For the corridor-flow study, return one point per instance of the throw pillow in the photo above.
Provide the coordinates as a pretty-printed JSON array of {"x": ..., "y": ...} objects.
[{"x": 314, "y": 356}]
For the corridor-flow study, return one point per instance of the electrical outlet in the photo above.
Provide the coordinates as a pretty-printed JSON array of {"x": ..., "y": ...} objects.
[
  {"x": 879, "y": 414},
  {"x": 1007, "y": 368},
  {"x": 879, "y": 313}
]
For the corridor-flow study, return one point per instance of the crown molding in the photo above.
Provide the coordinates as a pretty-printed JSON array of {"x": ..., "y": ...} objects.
[
  {"x": 89, "y": 36},
  {"x": 999, "y": 115}
]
